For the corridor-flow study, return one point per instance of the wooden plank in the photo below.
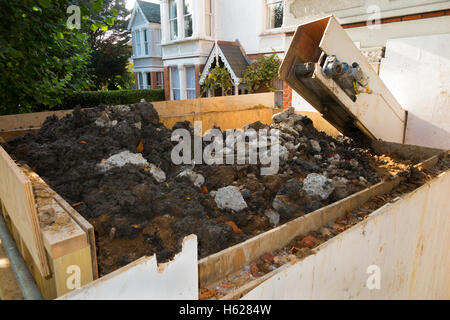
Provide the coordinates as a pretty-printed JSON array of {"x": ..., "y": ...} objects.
[
  {"x": 86, "y": 226},
  {"x": 74, "y": 265},
  {"x": 17, "y": 196},
  {"x": 28, "y": 120},
  {"x": 61, "y": 233}
]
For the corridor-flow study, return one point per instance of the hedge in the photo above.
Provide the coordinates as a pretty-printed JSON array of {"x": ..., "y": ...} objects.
[{"x": 88, "y": 99}]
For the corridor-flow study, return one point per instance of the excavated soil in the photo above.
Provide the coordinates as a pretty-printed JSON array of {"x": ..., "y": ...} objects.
[{"x": 135, "y": 215}]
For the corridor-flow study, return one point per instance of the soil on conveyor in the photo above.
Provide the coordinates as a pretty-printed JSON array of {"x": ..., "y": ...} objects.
[{"x": 136, "y": 213}]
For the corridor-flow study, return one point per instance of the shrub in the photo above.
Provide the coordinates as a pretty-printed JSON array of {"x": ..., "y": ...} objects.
[{"x": 88, "y": 99}]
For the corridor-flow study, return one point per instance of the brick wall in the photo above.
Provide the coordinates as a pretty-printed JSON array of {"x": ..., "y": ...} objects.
[
  {"x": 287, "y": 96},
  {"x": 167, "y": 82}
]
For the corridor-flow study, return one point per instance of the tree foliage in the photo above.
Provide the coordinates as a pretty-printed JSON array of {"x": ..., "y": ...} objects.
[
  {"x": 111, "y": 50},
  {"x": 41, "y": 59},
  {"x": 260, "y": 74}
]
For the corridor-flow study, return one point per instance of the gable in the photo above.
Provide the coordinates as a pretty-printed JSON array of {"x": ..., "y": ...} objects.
[{"x": 139, "y": 19}]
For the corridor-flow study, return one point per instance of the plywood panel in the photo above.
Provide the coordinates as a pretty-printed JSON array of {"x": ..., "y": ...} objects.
[{"x": 17, "y": 197}]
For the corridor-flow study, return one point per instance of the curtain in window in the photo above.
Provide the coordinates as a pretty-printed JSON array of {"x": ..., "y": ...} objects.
[
  {"x": 190, "y": 82},
  {"x": 175, "y": 79}
]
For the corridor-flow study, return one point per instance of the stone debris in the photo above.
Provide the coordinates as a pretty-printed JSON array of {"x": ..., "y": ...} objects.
[
  {"x": 230, "y": 198},
  {"x": 121, "y": 159},
  {"x": 273, "y": 216},
  {"x": 126, "y": 157},
  {"x": 197, "y": 179},
  {"x": 317, "y": 185}
]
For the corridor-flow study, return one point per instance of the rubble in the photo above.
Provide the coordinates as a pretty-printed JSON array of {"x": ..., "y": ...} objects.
[
  {"x": 197, "y": 179},
  {"x": 114, "y": 163},
  {"x": 230, "y": 198},
  {"x": 273, "y": 216},
  {"x": 317, "y": 185}
]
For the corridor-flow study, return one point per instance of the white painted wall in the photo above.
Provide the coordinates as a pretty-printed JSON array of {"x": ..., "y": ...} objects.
[
  {"x": 378, "y": 36},
  {"x": 417, "y": 72},
  {"x": 348, "y": 11}
]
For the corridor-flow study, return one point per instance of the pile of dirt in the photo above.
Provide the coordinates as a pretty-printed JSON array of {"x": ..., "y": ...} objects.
[{"x": 113, "y": 164}]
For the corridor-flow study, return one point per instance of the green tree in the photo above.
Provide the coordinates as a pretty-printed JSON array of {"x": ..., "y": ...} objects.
[
  {"x": 41, "y": 59},
  {"x": 111, "y": 49}
]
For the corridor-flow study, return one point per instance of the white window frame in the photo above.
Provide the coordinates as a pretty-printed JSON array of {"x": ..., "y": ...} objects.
[
  {"x": 269, "y": 5},
  {"x": 173, "y": 29},
  {"x": 189, "y": 16},
  {"x": 209, "y": 16}
]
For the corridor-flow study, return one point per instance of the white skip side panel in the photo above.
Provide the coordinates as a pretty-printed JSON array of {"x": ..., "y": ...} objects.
[
  {"x": 143, "y": 279},
  {"x": 405, "y": 243},
  {"x": 417, "y": 71}
]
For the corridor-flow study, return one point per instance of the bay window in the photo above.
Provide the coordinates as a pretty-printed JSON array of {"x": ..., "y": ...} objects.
[{"x": 173, "y": 19}]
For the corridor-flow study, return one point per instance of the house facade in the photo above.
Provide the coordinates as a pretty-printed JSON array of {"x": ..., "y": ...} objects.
[
  {"x": 191, "y": 28},
  {"x": 145, "y": 28},
  {"x": 197, "y": 34}
]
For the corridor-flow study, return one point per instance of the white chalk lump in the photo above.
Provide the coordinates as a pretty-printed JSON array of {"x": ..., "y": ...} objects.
[{"x": 126, "y": 157}]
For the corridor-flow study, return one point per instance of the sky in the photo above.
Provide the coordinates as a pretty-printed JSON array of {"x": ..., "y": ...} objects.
[{"x": 130, "y": 3}]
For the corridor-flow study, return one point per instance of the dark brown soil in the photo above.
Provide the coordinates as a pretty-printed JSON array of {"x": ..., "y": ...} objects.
[{"x": 134, "y": 215}]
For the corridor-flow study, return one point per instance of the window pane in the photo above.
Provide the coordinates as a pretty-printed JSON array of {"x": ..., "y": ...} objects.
[
  {"x": 159, "y": 79},
  {"x": 276, "y": 15},
  {"x": 140, "y": 81},
  {"x": 176, "y": 94},
  {"x": 190, "y": 82},
  {"x": 146, "y": 42},
  {"x": 173, "y": 9},
  {"x": 187, "y": 7},
  {"x": 138, "y": 42},
  {"x": 175, "y": 78},
  {"x": 173, "y": 29},
  {"x": 188, "y": 26}
]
